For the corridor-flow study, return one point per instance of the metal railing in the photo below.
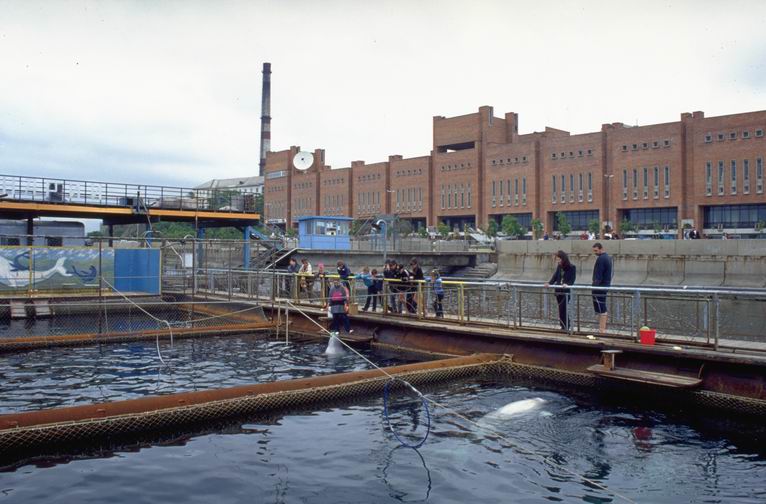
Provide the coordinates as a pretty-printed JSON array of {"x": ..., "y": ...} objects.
[
  {"x": 139, "y": 196},
  {"x": 714, "y": 318}
]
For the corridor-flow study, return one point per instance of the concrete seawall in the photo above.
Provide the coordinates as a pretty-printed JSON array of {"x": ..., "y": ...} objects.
[{"x": 710, "y": 263}]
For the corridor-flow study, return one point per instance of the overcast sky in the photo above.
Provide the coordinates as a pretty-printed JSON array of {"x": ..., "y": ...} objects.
[{"x": 169, "y": 92}]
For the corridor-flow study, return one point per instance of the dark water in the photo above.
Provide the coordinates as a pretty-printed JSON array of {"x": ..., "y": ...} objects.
[
  {"x": 345, "y": 454},
  {"x": 80, "y": 375}
]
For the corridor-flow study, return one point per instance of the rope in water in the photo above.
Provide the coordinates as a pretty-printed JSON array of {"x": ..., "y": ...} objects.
[
  {"x": 513, "y": 445},
  {"x": 386, "y": 389},
  {"x": 158, "y": 320}
]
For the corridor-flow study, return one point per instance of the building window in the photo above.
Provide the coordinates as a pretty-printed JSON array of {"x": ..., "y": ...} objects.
[
  {"x": 644, "y": 145},
  {"x": 624, "y": 148},
  {"x": 571, "y": 188},
  {"x": 666, "y": 143},
  {"x": 708, "y": 178},
  {"x": 469, "y": 195},
  {"x": 759, "y": 132},
  {"x": 579, "y": 190},
  {"x": 759, "y": 175},
  {"x": 563, "y": 197},
  {"x": 442, "y": 195},
  {"x": 708, "y": 138},
  {"x": 733, "y": 216},
  {"x": 462, "y": 196},
  {"x": 553, "y": 155},
  {"x": 745, "y": 134},
  {"x": 493, "y": 193},
  {"x": 524, "y": 190},
  {"x": 733, "y": 135},
  {"x": 516, "y": 192},
  {"x": 656, "y": 182},
  {"x": 721, "y": 137},
  {"x": 553, "y": 185},
  {"x": 646, "y": 183},
  {"x": 720, "y": 178},
  {"x": 449, "y": 196},
  {"x": 746, "y": 176},
  {"x": 635, "y": 184},
  {"x": 648, "y": 218},
  {"x": 667, "y": 181},
  {"x": 624, "y": 184},
  {"x": 635, "y": 147},
  {"x": 733, "y": 176},
  {"x": 590, "y": 152}
]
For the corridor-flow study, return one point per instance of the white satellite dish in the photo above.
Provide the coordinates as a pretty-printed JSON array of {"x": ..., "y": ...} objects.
[{"x": 303, "y": 160}]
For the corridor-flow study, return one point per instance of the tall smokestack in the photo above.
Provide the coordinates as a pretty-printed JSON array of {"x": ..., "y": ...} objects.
[{"x": 265, "y": 117}]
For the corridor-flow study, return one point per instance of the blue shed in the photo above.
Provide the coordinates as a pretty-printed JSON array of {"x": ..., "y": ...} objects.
[{"x": 324, "y": 233}]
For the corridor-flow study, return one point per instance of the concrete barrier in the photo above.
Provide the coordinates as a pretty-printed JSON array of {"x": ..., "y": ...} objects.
[{"x": 735, "y": 263}]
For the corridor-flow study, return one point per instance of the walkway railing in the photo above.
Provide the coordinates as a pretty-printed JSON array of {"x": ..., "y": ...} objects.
[
  {"x": 139, "y": 196},
  {"x": 714, "y": 318}
]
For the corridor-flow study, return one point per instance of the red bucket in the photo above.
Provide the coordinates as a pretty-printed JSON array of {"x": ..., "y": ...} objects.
[{"x": 647, "y": 336}]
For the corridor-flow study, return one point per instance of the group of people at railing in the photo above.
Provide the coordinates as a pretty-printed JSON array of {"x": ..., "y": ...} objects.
[
  {"x": 566, "y": 276},
  {"x": 398, "y": 289},
  {"x": 401, "y": 289}
]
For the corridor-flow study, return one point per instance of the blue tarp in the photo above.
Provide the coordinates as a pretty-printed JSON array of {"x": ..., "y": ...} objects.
[{"x": 137, "y": 270}]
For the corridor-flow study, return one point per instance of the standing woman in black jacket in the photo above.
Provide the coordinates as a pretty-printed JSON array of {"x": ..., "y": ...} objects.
[{"x": 565, "y": 275}]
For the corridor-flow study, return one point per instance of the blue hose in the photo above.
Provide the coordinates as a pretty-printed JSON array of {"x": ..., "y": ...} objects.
[{"x": 391, "y": 427}]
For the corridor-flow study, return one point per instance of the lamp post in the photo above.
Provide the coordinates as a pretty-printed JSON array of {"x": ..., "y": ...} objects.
[{"x": 384, "y": 227}]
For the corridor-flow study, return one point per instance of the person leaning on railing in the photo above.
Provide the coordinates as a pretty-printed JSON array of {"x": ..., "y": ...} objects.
[
  {"x": 565, "y": 275},
  {"x": 292, "y": 270},
  {"x": 306, "y": 277}
]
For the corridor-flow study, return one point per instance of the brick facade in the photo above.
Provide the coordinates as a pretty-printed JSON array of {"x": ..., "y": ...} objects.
[{"x": 480, "y": 168}]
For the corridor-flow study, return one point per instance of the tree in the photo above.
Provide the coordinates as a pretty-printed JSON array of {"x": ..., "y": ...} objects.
[
  {"x": 657, "y": 227},
  {"x": 626, "y": 226},
  {"x": 404, "y": 226},
  {"x": 356, "y": 226},
  {"x": 537, "y": 228},
  {"x": 291, "y": 232},
  {"x": 491, "y": 230},
  {"x": 442, "y": 229},
  {"x": 511, "y": 226},
  {"x": 593, "y": 226},
  {"x": 563, "y": 224},
  {"x": 423, "y": 232}
]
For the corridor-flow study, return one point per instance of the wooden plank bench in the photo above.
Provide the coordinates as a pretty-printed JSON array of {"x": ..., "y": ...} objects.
[{"x": 610, "y": 370}]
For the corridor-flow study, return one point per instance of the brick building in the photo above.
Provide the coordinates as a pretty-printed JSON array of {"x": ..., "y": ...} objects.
[{"x": 704, "y": 172}]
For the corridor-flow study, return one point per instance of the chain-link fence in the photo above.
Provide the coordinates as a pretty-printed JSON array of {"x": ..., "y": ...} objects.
[{"x": 111, "y": 317}]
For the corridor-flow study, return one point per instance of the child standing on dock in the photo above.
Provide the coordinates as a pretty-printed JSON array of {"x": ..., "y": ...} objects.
[{"x": 438, "y": 288}]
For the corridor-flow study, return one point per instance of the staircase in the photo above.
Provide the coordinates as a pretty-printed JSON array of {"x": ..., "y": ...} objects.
[
  {"x": 480, "y": 272},
  {"x": 42, "y": 308},
  {"x": 18, "y": 310}
]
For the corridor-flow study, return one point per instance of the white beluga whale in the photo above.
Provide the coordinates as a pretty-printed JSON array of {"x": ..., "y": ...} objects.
[
  {"x": 520, "y": 407},
  {"x": 15, "y": 277},
  {"x": 516, "y": 409},
  {"x": 334, "y": 346}
]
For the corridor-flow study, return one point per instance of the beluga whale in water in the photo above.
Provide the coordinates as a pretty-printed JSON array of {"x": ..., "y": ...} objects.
[{"x": 516, "y": 408}]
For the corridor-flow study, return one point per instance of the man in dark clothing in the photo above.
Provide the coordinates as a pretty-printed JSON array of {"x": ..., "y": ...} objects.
[
  {"x": 602, "y": 277},
  {"x": 344, "y": 273},
  {"x": 389, "y": 273},
  {"x": 404, "y": 287},
  {"x": 416, "y": 277}
]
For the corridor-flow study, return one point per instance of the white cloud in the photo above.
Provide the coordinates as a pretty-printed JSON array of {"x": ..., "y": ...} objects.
[{"x": 170, "y": 92}]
